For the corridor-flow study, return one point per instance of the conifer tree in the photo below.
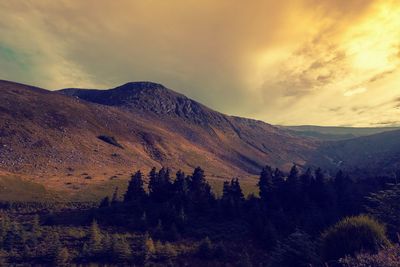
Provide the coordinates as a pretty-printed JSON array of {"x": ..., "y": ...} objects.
[
  {"x": 93, "y": 245},
  {"x": 62, "y": 257},
  {"x": 265, "y": 184},
  {"x": 121, "y": 248},
  {"x": 200, "y": 190},
  {"x": 135, "y": 191},
  {"x": 293, "y": 181},
  {"x": 160, "y": 186}
]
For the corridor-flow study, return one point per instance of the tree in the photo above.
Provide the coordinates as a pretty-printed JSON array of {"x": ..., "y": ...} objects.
[
  {"x": 306, "y": 179},
  {"x": 343, "y": 187},
  {"x": 352, "y": 235},
  {"x": 61, "y": 257},
  {"x": 160, "y": 186},
  {"x": 232, "y": 197},
  {"x": 93, "y": 245},
  {"x": 293, "y": 189},
  {"x": 200, "y": 190},
  {"x": 135, "y": 191},
  {"x": 266, "y": 184},
  {"x": 121, "y": 249},
  {"x": 53, "y": 244},
  {"x": 148, "y": 249},
  {"x": 279, "y": 187},
  {"x": 318, "y": 192},
  {"x": 181, "y": 186},
  {"x": 35, "y": 229}
]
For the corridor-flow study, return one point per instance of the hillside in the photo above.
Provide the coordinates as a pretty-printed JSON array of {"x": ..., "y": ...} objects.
[
  {"x": 73, "y": 138},
  {"x": 367, "y": 155}
]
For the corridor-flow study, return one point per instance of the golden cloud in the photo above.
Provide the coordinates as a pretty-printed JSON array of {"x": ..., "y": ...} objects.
[{"x": 286, "y": 62}]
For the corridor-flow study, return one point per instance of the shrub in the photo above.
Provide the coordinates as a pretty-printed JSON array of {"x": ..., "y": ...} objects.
[
  {"x": 352, "y": 235},
  {"x": 296, "y": 250},
  {"x": 385, "y": 206},
  {"x": 388, "y": 257},
  {"x": 206, "y": 249},
  {"x": 165, "y": 251}
]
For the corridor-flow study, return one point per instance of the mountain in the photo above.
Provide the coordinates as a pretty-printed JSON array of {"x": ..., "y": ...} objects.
[
  {"x": 73, "y": 138},
  {"x": 331, "y": 133},
  {"x": 366, "y": 155}
]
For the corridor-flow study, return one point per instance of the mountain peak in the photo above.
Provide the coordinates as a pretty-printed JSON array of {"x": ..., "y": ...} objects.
[
  {"x": 148, "y": 97},
  {"x": 143, "y": 85}
]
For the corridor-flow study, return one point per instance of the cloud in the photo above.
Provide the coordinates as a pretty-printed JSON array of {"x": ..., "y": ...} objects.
[
  {"x": 286, "y": 62},
  {"x": 355, "y": 91}
]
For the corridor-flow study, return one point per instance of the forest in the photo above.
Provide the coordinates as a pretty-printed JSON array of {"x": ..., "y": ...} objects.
[{"x": 300, "y": 218}]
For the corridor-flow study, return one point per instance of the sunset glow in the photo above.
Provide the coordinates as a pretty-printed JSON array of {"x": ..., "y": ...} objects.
[{"x": 295, "y": 62}]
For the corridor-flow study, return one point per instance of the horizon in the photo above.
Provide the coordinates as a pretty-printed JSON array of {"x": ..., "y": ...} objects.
[
  {"x": 278, "y": 125},
  {"x": 297, "y": 63}
]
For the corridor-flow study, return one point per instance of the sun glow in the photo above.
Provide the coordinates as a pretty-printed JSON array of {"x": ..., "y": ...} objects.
[{"x": 374, "y": 44}]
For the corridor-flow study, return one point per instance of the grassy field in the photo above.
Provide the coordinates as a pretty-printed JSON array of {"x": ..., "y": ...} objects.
[{"x": 13, "y": 188}]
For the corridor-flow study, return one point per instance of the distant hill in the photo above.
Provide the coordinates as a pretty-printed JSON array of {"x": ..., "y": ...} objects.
[
  {"x": 366, "y": 155},
  {"x": 336, "y": 133}
]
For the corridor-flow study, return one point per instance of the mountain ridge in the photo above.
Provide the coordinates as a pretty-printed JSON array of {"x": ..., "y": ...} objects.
[
  {"x": 74, "y": 138},
  {"x": 52, "y": 136}
]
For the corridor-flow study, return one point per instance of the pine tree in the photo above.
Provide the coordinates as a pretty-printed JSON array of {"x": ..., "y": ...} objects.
[
  {"x": 306, "y": 180},
  {"x": 62, "y": 257},
  {"x": 180, "y": 186},
  {"x": 35, "y": 228},
  {"x": 160, "y": 186},
  {"x": 135, "y": 191},
  {"x": 232, "y": 197},
  {"x": 121, "y": 249},
  {"x": 148, "y": 248},
  {"x": 265, "y": 184},
  {"x": 93, "y": 245},
  {"x": 279, "y": 187},
  {"x": 226, "y": 190},
  {"x": 52, "y": 239},
  {"x": 199, "y": 190},
  {"x": 293, "y": 181}
]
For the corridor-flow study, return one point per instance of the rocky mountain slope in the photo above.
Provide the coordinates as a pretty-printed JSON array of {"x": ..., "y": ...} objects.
[{"x": 77, "y": 137}]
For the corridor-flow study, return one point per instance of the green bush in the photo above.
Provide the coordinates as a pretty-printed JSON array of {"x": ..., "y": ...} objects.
[{"x": 352, "y": 235}]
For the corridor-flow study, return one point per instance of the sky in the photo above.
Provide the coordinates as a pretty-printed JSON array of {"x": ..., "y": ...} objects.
[{"x": 295, "y": 62}]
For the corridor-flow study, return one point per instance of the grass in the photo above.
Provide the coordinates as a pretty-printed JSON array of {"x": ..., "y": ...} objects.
[{"x": 13, "y": 188}]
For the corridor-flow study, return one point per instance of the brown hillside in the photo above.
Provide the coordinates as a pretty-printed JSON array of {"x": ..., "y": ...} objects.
[{"x": 53, "y": 137}]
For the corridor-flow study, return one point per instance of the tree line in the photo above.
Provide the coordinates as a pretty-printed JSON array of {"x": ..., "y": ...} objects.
[{"x": 303, "y": 217}]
